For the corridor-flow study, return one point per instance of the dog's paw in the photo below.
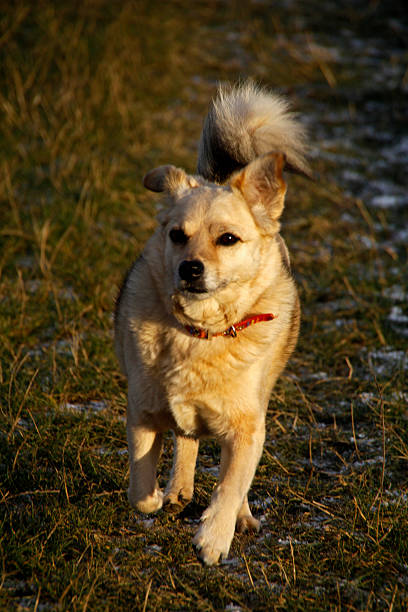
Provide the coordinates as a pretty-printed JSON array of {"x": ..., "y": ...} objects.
[
  {"x": 213, "y": 538},
  {"x": 150, "y": 503},
  {"x": 247, "y": 523},
  {"x": 174, "y": 505},
  {"x": 176, "y": 498}
]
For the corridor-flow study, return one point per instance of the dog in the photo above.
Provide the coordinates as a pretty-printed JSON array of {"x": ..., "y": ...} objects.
[{"x": 208, "y": 316}]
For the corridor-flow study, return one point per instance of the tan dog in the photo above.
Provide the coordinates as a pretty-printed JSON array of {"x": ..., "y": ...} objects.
[{"x": 209, "y": 315}]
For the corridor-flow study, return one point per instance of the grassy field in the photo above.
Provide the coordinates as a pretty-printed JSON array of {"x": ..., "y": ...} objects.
[{"x": 93, "y": 95}]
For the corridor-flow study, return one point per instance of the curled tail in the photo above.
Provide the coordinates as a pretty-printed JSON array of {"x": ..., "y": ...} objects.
[{"x": 245, "y": 122}]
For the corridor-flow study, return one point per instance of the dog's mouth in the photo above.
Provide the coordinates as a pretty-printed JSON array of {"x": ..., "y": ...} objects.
[
  {"x": 193, "y": 288},
  {"x": 200, "y": 289}
]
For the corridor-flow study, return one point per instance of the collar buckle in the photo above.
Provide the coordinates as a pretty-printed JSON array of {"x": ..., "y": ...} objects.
[{"x": 231, "y": 331}]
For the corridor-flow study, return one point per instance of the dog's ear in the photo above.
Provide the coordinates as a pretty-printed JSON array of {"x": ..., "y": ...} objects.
[
  {"x": 262, "y": 185},
  {"x": 168, "y": 178}
]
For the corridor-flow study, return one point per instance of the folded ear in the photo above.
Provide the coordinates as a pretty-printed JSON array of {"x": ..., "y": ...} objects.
[
  {"x": 168, "y": 178},
  {"x": 262, "y": 185}
]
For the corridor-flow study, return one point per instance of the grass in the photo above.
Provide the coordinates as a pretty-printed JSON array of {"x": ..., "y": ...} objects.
[{"x": 92, "y": 96}]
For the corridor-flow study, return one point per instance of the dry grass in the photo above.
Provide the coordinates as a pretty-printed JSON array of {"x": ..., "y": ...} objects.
[{"x": 92, "y": 96}]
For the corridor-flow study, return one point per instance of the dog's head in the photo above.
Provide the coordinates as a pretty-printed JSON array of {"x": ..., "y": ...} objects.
[{"x": 217, "y": 238}]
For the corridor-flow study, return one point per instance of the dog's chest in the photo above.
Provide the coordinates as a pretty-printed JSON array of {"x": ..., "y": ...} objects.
[
  {"x": 203, "y": 382},
  {"x": 203, "y": 386},
  {"x": 194, "y": 392}
]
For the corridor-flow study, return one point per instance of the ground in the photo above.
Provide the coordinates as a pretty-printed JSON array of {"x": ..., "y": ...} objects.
[{"x": 95, "y": 94}]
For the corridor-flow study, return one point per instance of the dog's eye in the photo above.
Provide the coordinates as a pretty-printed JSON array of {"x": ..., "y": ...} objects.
[
  {"x": 178, "y": 236},
  {"x": 227, "y": 239}
]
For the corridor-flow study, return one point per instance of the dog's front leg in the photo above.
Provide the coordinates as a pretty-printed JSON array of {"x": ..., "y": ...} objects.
[
  {"x": 240, "y": 454},
  {"x": 144, "y": 450},
  {"x": 180, "y": 489}
]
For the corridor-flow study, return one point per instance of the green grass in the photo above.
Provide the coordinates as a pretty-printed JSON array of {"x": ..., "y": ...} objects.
[{"x": 92, "y": 97}]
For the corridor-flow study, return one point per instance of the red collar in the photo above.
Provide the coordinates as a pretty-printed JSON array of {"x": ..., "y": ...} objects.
[{"x": 232, "y": 331}]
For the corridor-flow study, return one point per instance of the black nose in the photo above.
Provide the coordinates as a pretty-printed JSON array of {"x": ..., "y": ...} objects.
[{"x": 191, "y": 270}]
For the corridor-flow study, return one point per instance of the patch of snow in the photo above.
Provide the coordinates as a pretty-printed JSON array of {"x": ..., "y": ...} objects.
[
  {"x": 153, "y": 549},
  {"x": 397, "y": 293},
  {"x": 317, "y": 376},
  {"x": 373, "y": 461},
  {"x": 388, "y": 201},
  {"x": 397, "y": 316},
  {"x": 385, "y": 361},
  {"x": 288, "y": 541},
  {"x": 231, "y": 607},
  {"x": 93, "y": 406}
]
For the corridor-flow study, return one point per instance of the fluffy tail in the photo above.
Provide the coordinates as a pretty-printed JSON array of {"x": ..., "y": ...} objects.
[{"x": 243, "y": 123}]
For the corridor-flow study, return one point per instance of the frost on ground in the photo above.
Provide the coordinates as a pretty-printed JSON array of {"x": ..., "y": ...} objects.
[
  {"x": 89, "y": 408},
  {"x": 386, "y": 361}
]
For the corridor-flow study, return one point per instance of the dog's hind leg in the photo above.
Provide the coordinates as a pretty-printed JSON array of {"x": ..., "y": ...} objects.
[
  {"x": 180, "y": 488},
  {"x": 245, "y": 520},
  {"x": 144, "y": 450}
]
